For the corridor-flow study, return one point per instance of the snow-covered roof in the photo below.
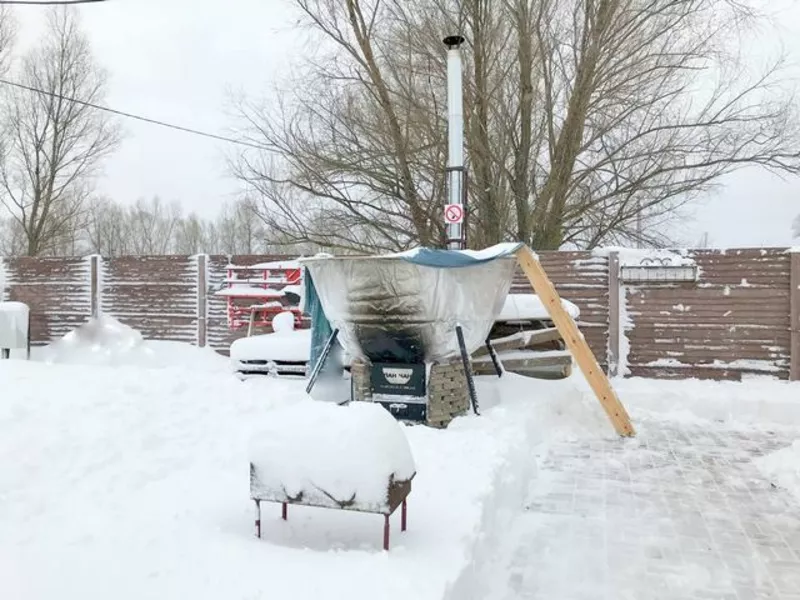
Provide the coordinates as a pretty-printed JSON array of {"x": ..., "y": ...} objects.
[
  {"x": 249, "y": 291},
  {"x": 280, "y": 264}
]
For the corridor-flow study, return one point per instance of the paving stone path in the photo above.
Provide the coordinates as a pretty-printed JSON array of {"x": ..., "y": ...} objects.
[{"x": 679, "y": 512}]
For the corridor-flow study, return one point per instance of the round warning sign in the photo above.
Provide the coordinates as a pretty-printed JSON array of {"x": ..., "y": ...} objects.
[{"x": 454, "y": 213}]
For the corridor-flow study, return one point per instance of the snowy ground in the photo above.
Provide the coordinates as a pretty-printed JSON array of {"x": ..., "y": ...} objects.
[{"x": 126, "y": 481}]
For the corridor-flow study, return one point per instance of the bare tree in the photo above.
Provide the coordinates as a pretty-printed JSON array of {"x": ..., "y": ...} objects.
[
  {"x": 357, "y": 156},
  {"x": 587, "y": 121},
  {"x": 54, "y": 147},
  {"x": 153, "y": 226},
  {"x": 108, "y": 230},
  {"x": 12, "y": 238},
  {"x": 796, "y": 227},
  {"x": 239, "y": 229},
  {"x": 190, "y": 235}
]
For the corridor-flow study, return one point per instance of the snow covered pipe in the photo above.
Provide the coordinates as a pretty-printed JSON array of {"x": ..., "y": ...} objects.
[{"x": 455, "y": 143}]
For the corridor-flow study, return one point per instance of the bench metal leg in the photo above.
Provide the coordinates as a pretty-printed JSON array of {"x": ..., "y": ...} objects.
[
  {"x": 284, "y": 511},
  {"x": 473, "y": 396},
  {"x": 386, "y": 532},
  {"x": 403, "y": 516},
  {"x": 258, "y": 519},
  {"x": 495, "y": 359}
]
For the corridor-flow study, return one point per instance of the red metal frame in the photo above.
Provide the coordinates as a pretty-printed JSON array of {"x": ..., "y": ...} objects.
[
  {"x": 386, "y": 526},
  {"x": 269, "y": 303}
]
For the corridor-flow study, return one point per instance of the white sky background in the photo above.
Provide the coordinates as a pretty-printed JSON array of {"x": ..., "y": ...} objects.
[{"x": 177, "y": 60}]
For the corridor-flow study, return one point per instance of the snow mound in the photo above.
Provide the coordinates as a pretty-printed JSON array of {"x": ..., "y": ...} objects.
[
  {"x": 291, "y": 346},
  {"x": 325, "y": 451},
  {"x": 521, "y": 307},
  {"x": 283, "y": 322},
  {"x": 107, "y": 342},
  {"x": 783, "y": 468}
]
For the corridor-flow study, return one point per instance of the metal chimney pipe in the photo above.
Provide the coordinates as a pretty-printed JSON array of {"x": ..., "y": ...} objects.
[{"x": 454, "y": 211}]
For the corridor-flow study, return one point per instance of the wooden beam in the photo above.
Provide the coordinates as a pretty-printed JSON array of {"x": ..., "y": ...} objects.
[
  {"x": 575, "y": 342},
  {"x": 527, "y": 361},
  {"x": 520, "y": 340}
]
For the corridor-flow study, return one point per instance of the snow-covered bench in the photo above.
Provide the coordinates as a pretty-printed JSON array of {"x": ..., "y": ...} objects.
[{"x": 353, "y": 457}]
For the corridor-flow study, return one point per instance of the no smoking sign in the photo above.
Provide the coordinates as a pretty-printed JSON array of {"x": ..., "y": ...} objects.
[{"x": 454, "y": 213}]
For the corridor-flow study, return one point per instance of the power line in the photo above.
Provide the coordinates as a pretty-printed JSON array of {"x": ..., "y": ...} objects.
[
  {"x": 49, "y": 2},
  {"x": 132, "y": 116}
]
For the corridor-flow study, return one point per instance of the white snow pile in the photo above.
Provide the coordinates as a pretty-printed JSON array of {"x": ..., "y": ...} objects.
[
  {"x": 104, "y": 341},
  {"x": 14, "y": 325},
  {"x": 285, "y": 343},
  {"x": 522, "y": 307},
  {"x": 783, "y": 468},
  {"x": 331, "y": 453}
]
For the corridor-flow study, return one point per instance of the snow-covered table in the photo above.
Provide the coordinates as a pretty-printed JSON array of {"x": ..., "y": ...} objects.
[{"x": 353, "y": 457}]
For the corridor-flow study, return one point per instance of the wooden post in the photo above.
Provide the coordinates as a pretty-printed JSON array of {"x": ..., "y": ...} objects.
[
  {"x": 794, "y": 328},
  {"x": 202, "y": 300},
  {"x": 95, "y": 301},
  {"x": 575, "y": 342},
  {"x": 613, "y": 314}
]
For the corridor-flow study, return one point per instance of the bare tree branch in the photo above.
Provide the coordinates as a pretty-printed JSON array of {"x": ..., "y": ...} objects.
[{"x": 54, "y": 147}]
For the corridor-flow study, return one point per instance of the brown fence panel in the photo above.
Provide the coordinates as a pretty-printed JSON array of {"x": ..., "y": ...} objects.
[
  {"x": 157, "y": 295},
  {"x": 582, "y": 278},
  {"x": 734, "y": 320},
  {"x": 57, "y": 290}
]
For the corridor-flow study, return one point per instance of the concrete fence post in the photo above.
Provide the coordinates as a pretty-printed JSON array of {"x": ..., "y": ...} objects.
[
  {"x": 95, "y": 288},
  {"x": 202, "y": 300},
  {"x": 613, "y": 314},
  {"x": 794, "y": 327}
]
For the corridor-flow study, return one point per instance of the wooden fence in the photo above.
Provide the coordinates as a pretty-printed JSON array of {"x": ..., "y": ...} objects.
[{"x": 740, "y": 317}]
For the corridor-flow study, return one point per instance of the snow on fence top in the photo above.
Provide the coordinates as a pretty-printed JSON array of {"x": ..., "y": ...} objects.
[
  {"x": 656, "y": 257},
  {"x": 331, "y": 454}
]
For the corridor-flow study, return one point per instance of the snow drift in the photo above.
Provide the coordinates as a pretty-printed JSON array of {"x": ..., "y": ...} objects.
[
  {"x": 783, "y": 468},
  {"x": 105, "y": 341}
]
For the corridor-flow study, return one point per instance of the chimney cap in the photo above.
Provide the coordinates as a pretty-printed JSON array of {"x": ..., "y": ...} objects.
[{"x": 453, "y": 41}]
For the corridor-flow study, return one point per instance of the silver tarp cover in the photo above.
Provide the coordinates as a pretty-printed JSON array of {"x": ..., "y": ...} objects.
[{"x": 390, "y": 310}]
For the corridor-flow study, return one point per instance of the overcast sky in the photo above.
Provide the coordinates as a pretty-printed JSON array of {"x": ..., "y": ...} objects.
[{"x": 176, "y": 60}]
